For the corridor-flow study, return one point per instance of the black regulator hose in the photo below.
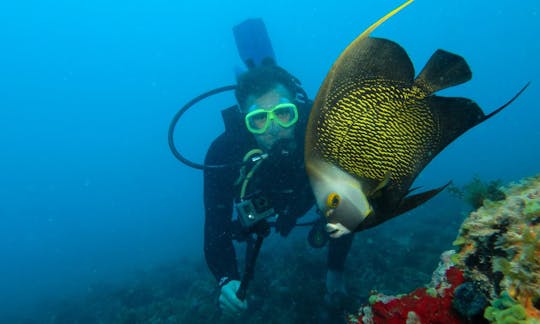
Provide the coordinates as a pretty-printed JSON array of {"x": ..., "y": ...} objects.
[{"x": 177, "y": 117}]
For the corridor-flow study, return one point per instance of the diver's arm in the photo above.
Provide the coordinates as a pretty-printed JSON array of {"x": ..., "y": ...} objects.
[
  {"x": 218, "y": 199},
  {"x": 218, "y": 247}
]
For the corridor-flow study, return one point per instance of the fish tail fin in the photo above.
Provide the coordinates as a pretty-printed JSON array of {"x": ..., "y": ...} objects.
[
  {"x": 416, "y": 200},
  {"x": 443, "y": 70}
]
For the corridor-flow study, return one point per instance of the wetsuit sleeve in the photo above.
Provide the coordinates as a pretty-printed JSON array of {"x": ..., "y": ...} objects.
[{"x": 218, "y": 202}]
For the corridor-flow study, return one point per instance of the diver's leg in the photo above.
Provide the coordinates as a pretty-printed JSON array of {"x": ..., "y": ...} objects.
[
  {"x": 335, "y": 298},
  {"x": 338, "y": 250}
]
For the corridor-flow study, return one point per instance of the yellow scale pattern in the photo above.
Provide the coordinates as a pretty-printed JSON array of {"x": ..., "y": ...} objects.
[{"x": 375, "y": 127}]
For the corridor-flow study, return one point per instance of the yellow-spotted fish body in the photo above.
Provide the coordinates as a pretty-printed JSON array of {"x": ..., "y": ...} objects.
[{"x": 374, "y": 127}]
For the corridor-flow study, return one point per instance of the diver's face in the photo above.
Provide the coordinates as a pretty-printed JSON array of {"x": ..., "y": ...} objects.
[{"x": 275, "y": 132}]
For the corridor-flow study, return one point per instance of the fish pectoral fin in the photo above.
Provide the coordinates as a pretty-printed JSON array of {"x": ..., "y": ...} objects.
[
  {"x": 414, "y": 201},
  {"x": 375, "y": 192},
  {"x": 443, "y": 70}
]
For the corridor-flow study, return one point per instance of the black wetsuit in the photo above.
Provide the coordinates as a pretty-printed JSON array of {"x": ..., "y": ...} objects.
[{"x": 280, "y": 178}]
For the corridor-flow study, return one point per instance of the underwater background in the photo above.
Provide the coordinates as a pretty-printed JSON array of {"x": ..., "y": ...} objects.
[{"x": 96, "y": 213}]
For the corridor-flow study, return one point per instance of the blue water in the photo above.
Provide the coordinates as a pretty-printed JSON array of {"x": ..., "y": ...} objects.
[{"x": 88, "y": 188}]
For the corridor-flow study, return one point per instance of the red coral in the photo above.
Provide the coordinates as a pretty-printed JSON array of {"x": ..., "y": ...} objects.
[
  {"x": 428, "y": 309},
  {"x": 454, "y": 277}
]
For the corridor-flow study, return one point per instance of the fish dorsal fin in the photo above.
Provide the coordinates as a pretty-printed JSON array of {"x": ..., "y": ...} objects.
[
  {"x": 356, "y": 45},
  {"x": 365, "y": 57},
  {"x": 443, "y": 70},
  {"x": 372, "y": 61},
  {"x": 371, "y": 28},
  {"x": 375, "y": 59}
]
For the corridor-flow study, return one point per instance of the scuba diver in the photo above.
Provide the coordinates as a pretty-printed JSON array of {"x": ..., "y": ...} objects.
[{"x": 265, "y": 130}]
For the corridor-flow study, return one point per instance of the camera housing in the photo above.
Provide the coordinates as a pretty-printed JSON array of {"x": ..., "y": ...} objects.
[{"x": 250, "y": 211}]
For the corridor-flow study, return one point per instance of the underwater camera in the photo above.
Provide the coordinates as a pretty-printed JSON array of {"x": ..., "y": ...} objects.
[{"x": 254, "y": 209}]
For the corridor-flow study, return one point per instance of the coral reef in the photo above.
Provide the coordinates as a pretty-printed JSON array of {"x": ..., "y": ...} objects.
[
  {"x": 500, "y": 247},
  {"x": 431, "y": 304},
  {"x": 506, "y": 310},
  {"x": 469, "y": 300},
  {"x": 494, "y": 277}
]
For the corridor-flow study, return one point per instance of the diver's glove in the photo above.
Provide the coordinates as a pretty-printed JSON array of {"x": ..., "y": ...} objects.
[
  {"x": 285, "y": 224},
  {"x": 228, "y": 302}
]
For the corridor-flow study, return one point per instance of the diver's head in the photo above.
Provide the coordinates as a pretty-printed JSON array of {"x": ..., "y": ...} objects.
[
  {"x": 267, "y": 97},
  {"x": 271, "y": 117}
]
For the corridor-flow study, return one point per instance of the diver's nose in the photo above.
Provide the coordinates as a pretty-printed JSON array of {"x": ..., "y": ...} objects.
[{"x": 273, "y": 129}]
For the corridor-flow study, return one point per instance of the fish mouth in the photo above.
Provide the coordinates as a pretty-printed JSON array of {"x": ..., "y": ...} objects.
[{"x": 336, "y": 230}]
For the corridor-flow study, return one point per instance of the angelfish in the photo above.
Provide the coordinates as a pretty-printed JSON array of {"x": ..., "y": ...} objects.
[{"x": 374, "y": 127}]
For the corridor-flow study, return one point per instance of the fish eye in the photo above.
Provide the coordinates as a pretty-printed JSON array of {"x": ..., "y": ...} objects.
[{"x": 333, "y": 200}]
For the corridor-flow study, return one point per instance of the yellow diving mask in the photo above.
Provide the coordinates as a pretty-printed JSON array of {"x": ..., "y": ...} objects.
[{"x": 258, "y": 119}]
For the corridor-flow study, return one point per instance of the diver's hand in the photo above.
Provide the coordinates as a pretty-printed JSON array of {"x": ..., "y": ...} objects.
[{"x": 228, "y": 302}]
